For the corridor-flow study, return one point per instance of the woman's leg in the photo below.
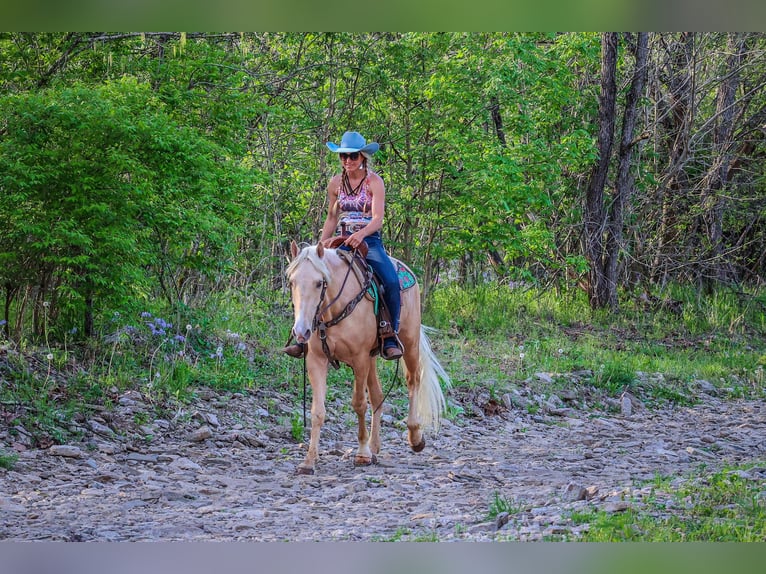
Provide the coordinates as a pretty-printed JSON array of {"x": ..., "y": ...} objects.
[{"x": 384, "y": 268}]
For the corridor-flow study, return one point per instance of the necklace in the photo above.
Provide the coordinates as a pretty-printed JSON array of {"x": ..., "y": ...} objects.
[{"x": 347, "y": 184}]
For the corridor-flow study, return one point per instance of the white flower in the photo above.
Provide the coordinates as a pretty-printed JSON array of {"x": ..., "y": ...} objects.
[
  {"x": 188, "y": 327},
  {"x": 49, "y": 356},
  {"x": 46, "y": 304},
  {"x": 521, "y": 355},
  {"x": 561, "y": 351}
]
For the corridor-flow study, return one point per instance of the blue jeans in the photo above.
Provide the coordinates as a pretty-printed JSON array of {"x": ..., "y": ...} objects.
[{"x": 384, "y": 268}]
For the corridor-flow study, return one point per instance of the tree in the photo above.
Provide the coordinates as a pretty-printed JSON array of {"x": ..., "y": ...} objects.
[
  {"x": 99, "y": 186},
  {"x": 596, "y": 222}
]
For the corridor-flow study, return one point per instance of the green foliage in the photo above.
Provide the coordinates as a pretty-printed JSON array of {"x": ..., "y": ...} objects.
[
  {"x": 496, "y": 310},
  {"x": 103, "y": 187},
  {"x": 8, "y": 460},
  {"x": 614, "y": 377},
  {"x": 501, "y": 504},
  {"x": 297, "y": 428},
  {"x": 725, "y": 506},
  {"x": 495, "y": 338},
  {"x": 176, "y": 166}
]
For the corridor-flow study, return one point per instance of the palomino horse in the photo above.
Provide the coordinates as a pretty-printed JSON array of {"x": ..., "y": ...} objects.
[{"x": 322, "y": 288}]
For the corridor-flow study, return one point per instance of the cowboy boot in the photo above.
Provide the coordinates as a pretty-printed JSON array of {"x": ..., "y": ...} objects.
[
  {"x": 296, "y": 350},
  {"x": 391, "y": 349}
]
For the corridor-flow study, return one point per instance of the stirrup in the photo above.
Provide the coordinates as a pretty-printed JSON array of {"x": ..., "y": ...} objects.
[{"x": 296, "y": 350}]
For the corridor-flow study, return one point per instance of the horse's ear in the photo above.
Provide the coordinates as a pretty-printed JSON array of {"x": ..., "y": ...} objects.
[
  {"x": 320, "y": 250},
  {"x": 293, "y": 248}
]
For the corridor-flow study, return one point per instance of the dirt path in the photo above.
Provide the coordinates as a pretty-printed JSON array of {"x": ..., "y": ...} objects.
[{"x": 224, "y": 469}]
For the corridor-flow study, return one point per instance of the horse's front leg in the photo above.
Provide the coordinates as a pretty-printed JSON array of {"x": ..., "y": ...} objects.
[
  {"x": 317, "y": 372},
  {"x": 364, "y": 455},
  {"x": 375, "y": 393}
]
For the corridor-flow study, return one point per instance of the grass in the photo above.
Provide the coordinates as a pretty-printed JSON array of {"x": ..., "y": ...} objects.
[
  {"x": 500, "y": 504},
  {"x": 724, "y": 506},
  {"x": 8, "y": 460},
  {"x": 499, "y": 337},
  {"x": 403, "y": 534},
  {"x": 491, "y": 339}
]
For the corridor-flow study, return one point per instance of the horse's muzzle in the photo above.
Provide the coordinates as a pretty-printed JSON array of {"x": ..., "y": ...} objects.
[{"x": 302, "y": 337}]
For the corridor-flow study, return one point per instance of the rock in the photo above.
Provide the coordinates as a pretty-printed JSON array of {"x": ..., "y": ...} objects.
[
  {"x": 568, "y": 396},
  {"x": 239, "y": 484},
  {"x": 131, "y": 399},
  {"x": 706, "y": 387},
  {"x": 501, "y": 520},
  {"x": 574, "y": 491},
  {"x": 139, "y": 457},
  {"x": 515, "y": 401},
  {"x": 11, "y": 507},
  {"x": 183, "y": 463},
  {"x": 65, "y": 450},
  {"x": 208, "y": 418},
  {"x": 100, "y": 429},
  {"x": 626, "y": 406},
  {"x": 483, "y": 527},
  {"x": 250, "y": 439},
  {"x": 617, "y": 506},
  {"x": 202, "y": 433}
]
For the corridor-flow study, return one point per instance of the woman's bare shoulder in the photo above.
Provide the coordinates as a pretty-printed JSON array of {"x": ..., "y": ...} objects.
[
  {"x": 334, "y": 182},
  {"x": 375, "y": 179}
]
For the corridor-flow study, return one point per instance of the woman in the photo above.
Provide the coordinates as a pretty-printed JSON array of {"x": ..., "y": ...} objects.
[{"x": 357, "y": 200}]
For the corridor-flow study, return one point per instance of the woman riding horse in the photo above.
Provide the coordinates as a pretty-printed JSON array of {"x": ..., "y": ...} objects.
[{"x": 357, "y": 200}]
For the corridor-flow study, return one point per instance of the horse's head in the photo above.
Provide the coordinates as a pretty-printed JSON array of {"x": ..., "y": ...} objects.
[{"x": 308, "y": 276}]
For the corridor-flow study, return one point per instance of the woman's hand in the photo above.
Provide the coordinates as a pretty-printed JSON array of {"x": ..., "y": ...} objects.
[{"x": 355, "y": 240}]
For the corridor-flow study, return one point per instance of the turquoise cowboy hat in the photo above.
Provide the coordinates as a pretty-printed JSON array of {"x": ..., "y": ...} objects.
[{"x": 353, "y": 141}]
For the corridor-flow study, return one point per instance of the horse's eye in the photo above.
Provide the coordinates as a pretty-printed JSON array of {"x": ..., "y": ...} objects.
[{"x": 319, "y": 284}]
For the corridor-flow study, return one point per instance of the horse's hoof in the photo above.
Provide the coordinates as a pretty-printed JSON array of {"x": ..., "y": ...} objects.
[
  {"x": 420, "y": 446},
  {"x": 360, "y": 460},
  {"x": 304, "y": 469}
]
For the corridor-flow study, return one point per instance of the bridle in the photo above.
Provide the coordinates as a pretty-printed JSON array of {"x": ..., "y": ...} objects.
[{"x": 321, "y": 325}]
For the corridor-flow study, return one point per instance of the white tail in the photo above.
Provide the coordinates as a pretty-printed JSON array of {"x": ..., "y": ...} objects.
[{"x": 431, "y": 402}]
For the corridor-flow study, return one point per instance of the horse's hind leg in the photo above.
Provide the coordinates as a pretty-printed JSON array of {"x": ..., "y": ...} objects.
[
  {"x": 415, "y": 434},
  {"x": 375, "y": 393},
  {"x": 364, "y": 455}
]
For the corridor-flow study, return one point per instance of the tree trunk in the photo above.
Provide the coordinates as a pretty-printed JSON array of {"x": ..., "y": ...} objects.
[
  {"x": 678, "y": 121},
  {"x": 624, "y": 185},
  {"x": 497, "y": 120},
  {"x": 88, "y": 315},
  {"x": 714, "y": 267},
  {"x": 595, "y": 213}
]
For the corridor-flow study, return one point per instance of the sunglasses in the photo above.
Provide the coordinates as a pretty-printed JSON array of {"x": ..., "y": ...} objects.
[{"x": 353, "y": 155}]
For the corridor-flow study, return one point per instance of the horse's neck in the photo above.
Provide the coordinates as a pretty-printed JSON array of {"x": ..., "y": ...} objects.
[{"x": 345, "y": 284}]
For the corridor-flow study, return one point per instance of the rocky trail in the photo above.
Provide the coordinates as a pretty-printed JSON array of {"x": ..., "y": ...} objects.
[{"x": 223, "y": 468}]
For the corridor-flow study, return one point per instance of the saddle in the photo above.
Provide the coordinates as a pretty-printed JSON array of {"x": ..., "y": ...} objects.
[{"x": 357, "y": 259}]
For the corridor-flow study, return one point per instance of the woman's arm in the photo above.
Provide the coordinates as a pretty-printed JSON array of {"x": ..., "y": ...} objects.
[{"x": 333, "y": 213}]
